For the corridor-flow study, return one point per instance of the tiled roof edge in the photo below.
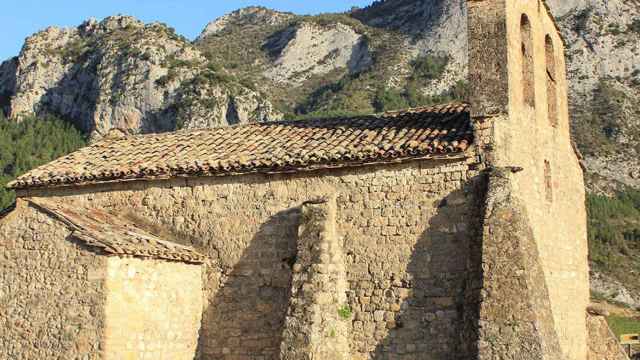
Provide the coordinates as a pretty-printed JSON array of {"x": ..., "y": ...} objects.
[
  {"x": 270, "y": 171},
  {"x": 5, "y": 212},
  {"x": 334, "y": 156}
]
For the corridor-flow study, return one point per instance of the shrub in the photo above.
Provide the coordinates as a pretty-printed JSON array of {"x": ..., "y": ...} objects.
[
  {"x": 429, "y": 67},
  {"x": 613, "y": 226},
  {"x": 614, "y": 29},
  {"x": 389, "y": 99},
  {"x": 581, "y": 20},
  {"x": 345, "y": 312}
]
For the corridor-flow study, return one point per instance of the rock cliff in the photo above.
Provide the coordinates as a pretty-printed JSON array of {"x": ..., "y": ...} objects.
[{"x": 123, "y": 73}]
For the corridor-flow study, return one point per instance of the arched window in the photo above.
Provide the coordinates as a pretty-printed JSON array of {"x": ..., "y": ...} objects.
[
  {"x": 548, "y": 181},
  {"x": 552, "y": 96},
  {"x": 528, "y": 82}
]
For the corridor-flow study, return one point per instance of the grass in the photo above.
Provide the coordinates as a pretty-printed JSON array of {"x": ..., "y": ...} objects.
[
  {"x": 345, "y": 312},
  {"x": 621, "y": 325}
]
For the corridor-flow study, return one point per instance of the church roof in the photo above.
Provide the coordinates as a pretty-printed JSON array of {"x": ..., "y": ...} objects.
[
  {"x": 115, "y": 235},
  {"x": 284, "y": 146}
]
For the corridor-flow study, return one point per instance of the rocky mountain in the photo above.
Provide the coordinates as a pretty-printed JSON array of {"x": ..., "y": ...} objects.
[
  {"x": 122, "y": 73},
  {"x": 603, "y": 51}
]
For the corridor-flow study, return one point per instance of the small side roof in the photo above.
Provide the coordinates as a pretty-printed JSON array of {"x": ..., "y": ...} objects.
[{"x": 114, "y": 235}]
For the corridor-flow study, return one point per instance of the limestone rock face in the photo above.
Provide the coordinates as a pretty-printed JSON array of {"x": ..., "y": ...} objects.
[
  {"x": 613, "y": 290},
  {"x": 601, "y": 42},
  {"x": 603, "y": 53},
  {"x": 562, "y": 7},
  {"x": 309, "y": 49},
  {"x": 253, "y": 15},
  {"x": 7, "y": 82},
  {"x": 433, "y": 25},
  {"x": 430, "y": 27},
  {"x": 211, "y": 106},
  {"x": 121, "y": 73}
]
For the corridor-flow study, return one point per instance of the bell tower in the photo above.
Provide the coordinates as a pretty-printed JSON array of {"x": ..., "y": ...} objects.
[{"x": 534, "y": 243}]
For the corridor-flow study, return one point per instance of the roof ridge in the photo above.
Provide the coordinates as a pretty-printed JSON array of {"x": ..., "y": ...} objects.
[{"x": 417, "y": 109}]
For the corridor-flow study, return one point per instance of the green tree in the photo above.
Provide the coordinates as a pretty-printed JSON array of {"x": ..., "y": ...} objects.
[{"x": 30, "y": 143}]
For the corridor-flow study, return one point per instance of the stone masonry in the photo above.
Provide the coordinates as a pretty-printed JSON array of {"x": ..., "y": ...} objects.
[
  {"x": 400, "y": 224},
  {"x": 603, "y": 344},
  {"x": 51, "y": 292},
  {"x": 316, "y": 326},
  {"x": 64, "y": 298},
  {"x": 153, "y": 309},
  {"x": 515, "y": 313},
  {"x": 509, "y": 41}
]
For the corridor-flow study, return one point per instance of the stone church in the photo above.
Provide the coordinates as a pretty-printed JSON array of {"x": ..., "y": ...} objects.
[{"x": 448, "y": 232}]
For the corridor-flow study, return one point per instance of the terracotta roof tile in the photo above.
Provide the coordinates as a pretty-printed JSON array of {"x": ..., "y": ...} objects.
[
  {"x": 115, "y": 235},
  {"x": 264, "y": 147}
]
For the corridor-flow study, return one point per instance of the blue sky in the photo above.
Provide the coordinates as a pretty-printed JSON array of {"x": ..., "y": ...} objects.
[{"x": 21, "y": 18}]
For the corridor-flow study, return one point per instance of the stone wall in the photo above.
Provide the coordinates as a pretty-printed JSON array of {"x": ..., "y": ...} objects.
[
  {"x": 51, "y": 290},
  {"x": 550, "y": 185},
  {"x": 603, "y": 344},
  {"x": 153, "y": 309},
  {"x": 555, "y": 200},
  {"x": 406, "y": 230},
  {"x": 318, "y": 319}
]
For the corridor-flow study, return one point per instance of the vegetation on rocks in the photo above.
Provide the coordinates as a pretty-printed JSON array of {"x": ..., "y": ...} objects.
[
  {"x": 635, "y": 26},
  {"x": 614, "y": 235},
  {"x": 30, "y": 143},
  {"x": 582, "y": 19},
  {"x": 598, "y": 125}
]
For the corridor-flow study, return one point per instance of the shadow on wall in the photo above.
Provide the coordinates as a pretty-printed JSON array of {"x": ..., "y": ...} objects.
[
  {"x": 438, "y": 314},
  {"x": 245, "y": 317}
]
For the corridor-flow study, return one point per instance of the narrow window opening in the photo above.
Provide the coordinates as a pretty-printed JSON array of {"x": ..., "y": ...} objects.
[
  {"x": 548, "y": 181},
  {"x": 528, "y": 82},
  {"x": 552, "y": 92}
]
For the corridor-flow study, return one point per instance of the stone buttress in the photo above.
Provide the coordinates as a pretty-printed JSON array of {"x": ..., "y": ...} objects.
[{"x": 318, "y": 318}]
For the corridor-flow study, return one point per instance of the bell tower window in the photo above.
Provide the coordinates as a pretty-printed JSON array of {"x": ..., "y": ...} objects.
[
  {"x": 552, "y": 95},
  {"x": 528, "y": 82}
]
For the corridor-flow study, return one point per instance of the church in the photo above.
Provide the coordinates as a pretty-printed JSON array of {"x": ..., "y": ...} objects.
[{"x": 456, "y": 231}]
